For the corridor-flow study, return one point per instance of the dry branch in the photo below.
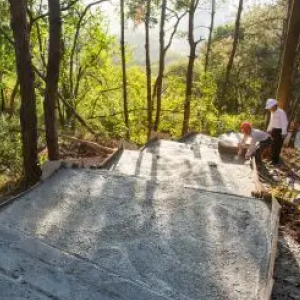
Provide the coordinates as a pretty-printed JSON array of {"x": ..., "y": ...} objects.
[{"x": 93, "y": 145}]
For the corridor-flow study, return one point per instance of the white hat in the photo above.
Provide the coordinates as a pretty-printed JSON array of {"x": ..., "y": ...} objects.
[{"x": 270, "y": 103}]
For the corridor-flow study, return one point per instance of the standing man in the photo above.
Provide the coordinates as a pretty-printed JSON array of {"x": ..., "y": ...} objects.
[{"x": 277, "y": 128}]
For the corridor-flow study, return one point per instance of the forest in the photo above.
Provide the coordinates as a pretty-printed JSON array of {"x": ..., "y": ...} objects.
[{"x": 62, "y": 73}]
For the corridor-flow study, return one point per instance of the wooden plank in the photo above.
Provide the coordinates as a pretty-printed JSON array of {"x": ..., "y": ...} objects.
[{"x": 273, "y": 247}]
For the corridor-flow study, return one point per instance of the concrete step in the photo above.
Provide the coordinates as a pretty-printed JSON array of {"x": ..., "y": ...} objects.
[
  {"x": 208, "y": 171},
  {"x": 12, "y": 289},
  {"x": 147, "y": 239},
  {"x": 34, "y": 268}
]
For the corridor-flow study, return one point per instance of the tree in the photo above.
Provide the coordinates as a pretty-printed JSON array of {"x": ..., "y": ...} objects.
[
  {"x": 7, "y": 59},
  {"x": 234, "y": 48},
  {"x": 289, "y": 55},
  {"x": 52, "y": 79},
  {"x": 211, "y": 28},
  {"x": 148, "y": 67},
  {"x": 124, "y": 74},
  {"x": 163, "y": 49},
  {"x": 190, "y": 69},
  {"x": 254, "y": 75},
  {"x": 25, "y": 72},
  {"x": 161, "y": 67}
]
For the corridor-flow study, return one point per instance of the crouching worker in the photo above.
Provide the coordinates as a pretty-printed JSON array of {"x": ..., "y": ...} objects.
[{"x": 258, "y": 140}]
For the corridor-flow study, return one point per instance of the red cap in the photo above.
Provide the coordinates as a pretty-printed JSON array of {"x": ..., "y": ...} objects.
[{"x": 246, "y": 127}]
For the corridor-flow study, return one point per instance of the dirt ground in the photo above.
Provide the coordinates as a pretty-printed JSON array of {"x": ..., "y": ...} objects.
[{"x": 287, "y": 267}]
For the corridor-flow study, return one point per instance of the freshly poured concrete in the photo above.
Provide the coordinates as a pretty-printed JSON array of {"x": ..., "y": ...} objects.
[
  {"x": 194, "y": 165},
  {"x": 87, "y": 234}
]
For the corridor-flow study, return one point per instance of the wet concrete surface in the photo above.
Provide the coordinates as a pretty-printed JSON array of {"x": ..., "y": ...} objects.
[
  {"x": 287, "y": 269},
  {"x": 91, "y": 234},
  {"x": 196, "y": 164}
]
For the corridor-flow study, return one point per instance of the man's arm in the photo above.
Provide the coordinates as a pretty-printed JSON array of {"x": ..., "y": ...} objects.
[
  {"x": 251, "y": 149},
  {"x": 270, "y": 126},
  {"x": 284, "y": 123}
]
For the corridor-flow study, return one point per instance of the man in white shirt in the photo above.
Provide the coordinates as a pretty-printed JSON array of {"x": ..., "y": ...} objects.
[
  {"x": 277, "y": 128},
  {"x": 258, "y": 141}
]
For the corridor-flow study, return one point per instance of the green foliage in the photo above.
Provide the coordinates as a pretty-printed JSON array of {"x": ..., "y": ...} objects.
[
  {"x": 254, "y": 75},
  {"x": 92, "y": 82},
  {"x": 11, "y": 147}
]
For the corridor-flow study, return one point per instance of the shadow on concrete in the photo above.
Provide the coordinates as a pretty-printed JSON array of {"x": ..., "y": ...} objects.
[
  {"x": 287, "y": 271},
  {"x": 172, "y": 242}
]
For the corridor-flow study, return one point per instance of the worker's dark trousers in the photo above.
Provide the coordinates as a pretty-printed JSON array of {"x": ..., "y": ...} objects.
[
  {"x": 276, "y": 144},
  {"x": 260, "y": 148}
]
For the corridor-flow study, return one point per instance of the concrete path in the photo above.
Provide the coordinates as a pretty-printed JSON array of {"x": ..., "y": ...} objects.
[
  {"x": 137, "y": 233},
  {"x": 192, "y": 164}
]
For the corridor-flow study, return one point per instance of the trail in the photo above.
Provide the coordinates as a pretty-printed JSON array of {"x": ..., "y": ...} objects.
[{"x": 173, "y": 221}]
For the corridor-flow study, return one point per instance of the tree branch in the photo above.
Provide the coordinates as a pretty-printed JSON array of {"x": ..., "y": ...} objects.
[
  {"x": 179, "y": 18},
  {"x": 67, "y": 7},
  {"x": 78, "y": 27},
  {"x": 135, "y": 110},
  {"x": 199, "y": 41},
  {"x": 67, "y": 104},
  {"x": 40, "y": 45}
]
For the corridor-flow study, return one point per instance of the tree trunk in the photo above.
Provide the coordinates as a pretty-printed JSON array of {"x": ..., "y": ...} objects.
[
  {"x": 188, "y": 90},
  {"x": 211, "y": 28},
  {"x": 3, "y": 106},
  {"x": 61, "y": 117},
  {"x": 285, "y": 25},
  {"x": 13, "y": 97},
  {"x": 123, "y": 54},
  {"x": 161, "y": 69},
  {"x": 234, "y": 47},
  {"x": 2, "y": 96},
  {"x": 289, "y": 55},
  {"x": 190, "y": 68},
  {"x": 296, "y": 124},
  {"x": 28, "y": 117},
  {"x": 148, "y": 68},
  {"x": 52, "y": 79},
  {"x": 72, "y": 64}
]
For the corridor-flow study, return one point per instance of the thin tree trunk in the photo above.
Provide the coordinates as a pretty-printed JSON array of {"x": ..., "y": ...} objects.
[
  {"x": 52, "y": 80},
  {"x": 72, "y": 111},
  {"x": 296, "y": 119},
  {"x": 148, "y": 68},
  {"x": 190, "y": 68},
  {"x": 188, "y": 90},
  {"x": 285, "y": 25},
  {"x": 72, "y": 54},
  {"x": 293, "y": 103},
  {"x": 13, "y": 97},
  {"x": 124, "y": 73},
  {"x": 289, "y": 55},
  {"x": 28, "y": 117},
  {"x": 234, "y": 48},
  {"x": 3, "y": 106},
  {"x": 60, "y": 114},
  {"x": 211, "y": 28},
  {"x": 161, "y": 69},
  {"x": 69, "y": 108}
]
